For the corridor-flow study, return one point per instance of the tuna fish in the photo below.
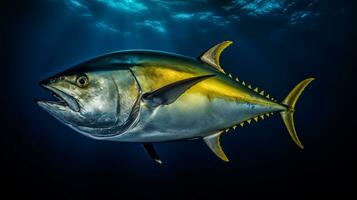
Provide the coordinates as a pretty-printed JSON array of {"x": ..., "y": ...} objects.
[{"x": 150, "y": 96}]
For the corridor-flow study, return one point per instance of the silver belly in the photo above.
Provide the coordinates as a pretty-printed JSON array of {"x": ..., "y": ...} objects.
[{"x": 190, "y": 116}]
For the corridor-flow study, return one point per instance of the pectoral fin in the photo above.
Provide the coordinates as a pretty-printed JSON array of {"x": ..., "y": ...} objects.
[
  {"x": 151, "y": 151},
  {"x": 213, "y": 143},
  {"x": 169, "y": 93}
]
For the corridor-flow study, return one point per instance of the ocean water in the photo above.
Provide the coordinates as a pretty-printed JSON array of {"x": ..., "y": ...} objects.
[{"x": 277, "y": 43}]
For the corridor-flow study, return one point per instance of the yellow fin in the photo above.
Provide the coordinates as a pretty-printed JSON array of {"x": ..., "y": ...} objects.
[
  {"x": 213, "y": 142},
  {"x": 256, "y": 119},
  {"x": 212, "y": 55},
  {"x": 288, "y": 115}
]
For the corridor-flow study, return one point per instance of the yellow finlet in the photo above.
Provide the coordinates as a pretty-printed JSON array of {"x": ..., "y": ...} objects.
[
  {"x": 237, "y": 79},
  {"x": 267, "y": 114},
  {"x": 272, "y": 99},
  {"x": 243, "y": 83},
  {"x": 249, "y": 121},
  {"x": 212, "y": 55},
  {"x": 230, "y": 75},
  {"x": 262, "y": 93},
  {"x": 234, "y": 127},
  {"x": 241, "y": 124},
  {"x": 227, "y": 130},
  {"x": 250, "y": 86},
  {"x": 256, "y": 89},
  {"x": 268, "y": 96},
  {"x": 272, "y": 113},
  {"x": 261, "y": 116},
  {"x": 256, "y": 119}
]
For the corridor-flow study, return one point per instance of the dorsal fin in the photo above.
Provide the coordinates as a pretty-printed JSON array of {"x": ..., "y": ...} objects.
[
  {"x": 211, "y": 56},
  {"x": 214, "y": 144}
]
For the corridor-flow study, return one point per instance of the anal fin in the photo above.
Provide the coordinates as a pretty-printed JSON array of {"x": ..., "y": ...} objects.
[
  {"x": 151, "y": 151},
  {"x": 213, "y": 142}
]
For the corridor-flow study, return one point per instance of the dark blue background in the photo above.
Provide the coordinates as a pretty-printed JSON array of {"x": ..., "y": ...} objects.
[{"x": 43, "y": 158}]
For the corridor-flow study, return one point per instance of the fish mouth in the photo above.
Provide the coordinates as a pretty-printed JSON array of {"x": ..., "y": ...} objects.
[{"x": 63, "y": 99}]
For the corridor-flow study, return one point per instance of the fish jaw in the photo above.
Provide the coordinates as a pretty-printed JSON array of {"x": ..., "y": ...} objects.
[
  {"x": 64, "y": 100},
  {"x": 65, "y": 108}
]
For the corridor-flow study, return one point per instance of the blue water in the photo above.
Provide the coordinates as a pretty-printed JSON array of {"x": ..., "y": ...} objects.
[{"x": 277, "y": 43}]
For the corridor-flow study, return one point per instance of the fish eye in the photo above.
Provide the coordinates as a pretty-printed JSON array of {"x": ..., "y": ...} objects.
[{"x": 82, "y": 80}]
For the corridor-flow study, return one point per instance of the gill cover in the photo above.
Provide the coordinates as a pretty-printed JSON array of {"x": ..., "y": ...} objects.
[{"x": 288, "y": 115}]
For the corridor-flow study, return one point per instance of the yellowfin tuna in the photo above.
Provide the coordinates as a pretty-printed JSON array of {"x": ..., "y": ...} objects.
[{"x": 151, "y": 96}]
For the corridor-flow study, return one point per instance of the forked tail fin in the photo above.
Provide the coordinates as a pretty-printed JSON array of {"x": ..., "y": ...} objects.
[{"x": 288, "y": 115}]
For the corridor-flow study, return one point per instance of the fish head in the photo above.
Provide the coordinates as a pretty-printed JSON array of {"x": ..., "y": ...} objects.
[{"x": 89, "y": 100}]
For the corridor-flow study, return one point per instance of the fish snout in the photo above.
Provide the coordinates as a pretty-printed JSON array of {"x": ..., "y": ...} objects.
[{"x": 48, "y": 81}]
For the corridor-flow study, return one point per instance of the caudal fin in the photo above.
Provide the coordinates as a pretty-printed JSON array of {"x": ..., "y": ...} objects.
[{"x": 288, "y": 115}]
